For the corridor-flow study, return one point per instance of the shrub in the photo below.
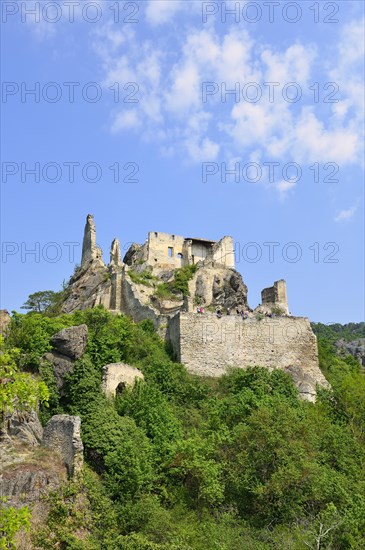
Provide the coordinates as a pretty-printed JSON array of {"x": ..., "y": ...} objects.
[
  {"x": 165, "y": 292},
  {"x": 12, "y": 520},
  {"x": 178, "y": 286},
  {"x": 143, "y": 278}
]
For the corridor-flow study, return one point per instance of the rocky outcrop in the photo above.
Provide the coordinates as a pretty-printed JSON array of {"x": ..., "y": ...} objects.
[
  {"x": 132, "y": 253},
  {"x": 89, "y": 287},
  {"x": 61, "y": 366},
  {"x": 217, "y": 286},
  {"x": 4, "y": 321},
  {"x": 116, "y": 376},
  {"x": 25, "y": 481},
  {"x": 35, "y": 461},
  {"x": 23, "y": 426},
  {"x": 62, "y": 435},
  {"x": 70, "y": 344},
  {"x": 356, "y": 348},
  {"x": 71, "y": 341}
]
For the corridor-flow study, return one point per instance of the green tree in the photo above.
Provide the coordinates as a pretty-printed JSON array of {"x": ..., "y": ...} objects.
[
  {"x": 18, "y": 390},
  {"x": 42, "y": 300}
]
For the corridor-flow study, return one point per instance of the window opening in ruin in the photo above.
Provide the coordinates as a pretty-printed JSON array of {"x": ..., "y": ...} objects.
[
  {"x": 156, "y": 235},
  {"x": 180, "y": 255},
  {"x": 170, "y": 251}
]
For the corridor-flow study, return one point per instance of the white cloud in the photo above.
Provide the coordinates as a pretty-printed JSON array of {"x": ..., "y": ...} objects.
[
  {"x": 185, "y": 89},
  {"x": 313, "y": 142},
  {"x": 345, "y": 215},
  {"x": 126, "y": 120},
  {"x": 159, "y": 12},
  {"x": 204, "y": 151},
  {"x": 292, "y": 65},
  {"x": 284, "y": 186},
  {"x": 348, "y": 71},
  {"x": 174, "y": 115}
]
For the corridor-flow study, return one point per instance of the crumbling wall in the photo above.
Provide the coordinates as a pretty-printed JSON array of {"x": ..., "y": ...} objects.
[
  {"x": 158, "y": 250},
  {"x": 116, "y": 374},
  {"x": 275, "y": 296},
  {"x": 198, "y": 250},
  {"x": 207, "y": 345},
  {"x": 223, "y": 252}
]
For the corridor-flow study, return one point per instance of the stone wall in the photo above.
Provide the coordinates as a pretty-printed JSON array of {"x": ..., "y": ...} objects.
[
  {"x": 165, "y": 251},
  {"x": 207, "y": 345},
  {"x": 158, "y": 250},
  {"x": 116, "y": 374},
  {"x": 223, "y": 252},
  {"x": 275, "y": 296},
  {"x": 198, "y": 250}
]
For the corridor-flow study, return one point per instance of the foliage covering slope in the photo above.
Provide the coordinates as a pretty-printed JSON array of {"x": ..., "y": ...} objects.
[{"x": 182, "y": 462}]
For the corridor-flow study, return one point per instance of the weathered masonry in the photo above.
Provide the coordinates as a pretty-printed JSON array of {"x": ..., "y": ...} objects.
[
  {"x": 208, "y": 346},
  {"x": 275, "y": 296},
  {"x": 167, "y": 251}
]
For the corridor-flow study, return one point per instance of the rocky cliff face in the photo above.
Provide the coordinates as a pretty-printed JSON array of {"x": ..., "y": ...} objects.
[
  {"x": 90, "y": 286},
  {"x": 356, "y": 348},
  {"x": 35, "y": 461},
  {"x": 29, "y": 473},
  {"x": 218, "y": 287}
]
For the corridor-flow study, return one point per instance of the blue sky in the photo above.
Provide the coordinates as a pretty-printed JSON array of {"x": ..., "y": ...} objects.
[{"x": 132, "y": 121}]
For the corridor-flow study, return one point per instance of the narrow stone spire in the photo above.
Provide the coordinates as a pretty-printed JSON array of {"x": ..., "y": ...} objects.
[
  {"x": 115, "y": 256},
  {"x": 90, "y": 251}
]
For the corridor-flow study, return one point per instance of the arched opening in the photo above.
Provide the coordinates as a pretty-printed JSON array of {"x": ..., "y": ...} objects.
[{"x": 120, "y": 389}]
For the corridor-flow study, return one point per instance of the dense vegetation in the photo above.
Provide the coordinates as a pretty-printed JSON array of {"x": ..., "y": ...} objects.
[
  {"x": 182, "y": 462},
  {"x": 335, "y": 331}
]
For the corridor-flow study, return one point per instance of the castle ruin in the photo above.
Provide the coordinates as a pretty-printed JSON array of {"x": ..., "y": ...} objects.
[
  {"x": 141, "y": 285},
  {"x": 163, "y": 251}
]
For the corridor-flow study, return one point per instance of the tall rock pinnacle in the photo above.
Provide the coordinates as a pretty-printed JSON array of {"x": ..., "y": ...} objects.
[
  {"x": 90, "y": 251},
  {"x": 115, "y": 257}
]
